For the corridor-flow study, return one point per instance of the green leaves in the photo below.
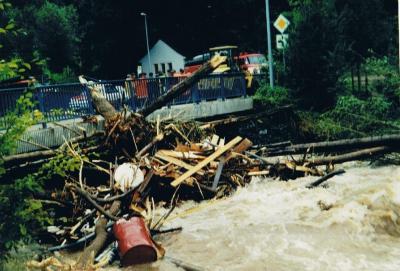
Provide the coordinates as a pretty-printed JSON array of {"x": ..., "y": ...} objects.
[
  {"x": 10, "y": 26},
  {"x": 279, "y": 96}
]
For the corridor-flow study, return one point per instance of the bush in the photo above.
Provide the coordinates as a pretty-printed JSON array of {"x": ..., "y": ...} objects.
[
  {"x": 66, "y": 76},
  {"x": 279, "y": 96},
  {"x": 354, "y": 117},
  {"x": 385, "y": 80}
]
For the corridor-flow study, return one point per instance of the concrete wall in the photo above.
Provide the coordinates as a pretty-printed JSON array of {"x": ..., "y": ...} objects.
[
  {"x": 54, "y": 135},
  {"x": 204, "y": 109}
]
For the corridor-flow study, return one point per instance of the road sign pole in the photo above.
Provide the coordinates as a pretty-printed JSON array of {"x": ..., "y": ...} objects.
[
  {"x": 284, "y": 59},
  {"x": 270, "y": 61}
]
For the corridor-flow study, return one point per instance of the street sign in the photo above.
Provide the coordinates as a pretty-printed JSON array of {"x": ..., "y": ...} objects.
[
  {"x": 282, "y": 41},
  {"x": 281, "y": 23}
]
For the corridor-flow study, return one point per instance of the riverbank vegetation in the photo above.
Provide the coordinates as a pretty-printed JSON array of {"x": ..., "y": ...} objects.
[{"x": 341, "y": 70}]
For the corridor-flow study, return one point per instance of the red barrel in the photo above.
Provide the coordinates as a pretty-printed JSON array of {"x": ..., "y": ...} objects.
[{"x": 134, "y": 242}]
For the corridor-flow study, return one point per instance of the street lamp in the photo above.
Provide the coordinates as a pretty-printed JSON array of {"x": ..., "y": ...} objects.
[
  {"x": 271, "y": 69},
  {"x": 147, "y": 39}
]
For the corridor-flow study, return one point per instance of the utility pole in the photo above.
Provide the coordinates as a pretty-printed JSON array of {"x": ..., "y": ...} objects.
[
  {"x": 270, "y": 60},
  {"x": 398, "y": 16},
  {"x": 147, "y": 39}
]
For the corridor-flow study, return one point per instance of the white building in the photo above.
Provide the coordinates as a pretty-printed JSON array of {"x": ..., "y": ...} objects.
[{"x": 163, "y": 58}]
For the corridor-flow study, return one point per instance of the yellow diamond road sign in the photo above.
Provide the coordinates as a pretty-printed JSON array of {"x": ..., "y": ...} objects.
[{"x": 281, "y": 23}]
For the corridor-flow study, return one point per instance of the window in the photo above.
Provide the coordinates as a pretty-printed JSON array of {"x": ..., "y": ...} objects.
[
  {"x": 156, "y": 68},
  {"x": 163, "y": 67},
  {"x": 169, "y": 66}
]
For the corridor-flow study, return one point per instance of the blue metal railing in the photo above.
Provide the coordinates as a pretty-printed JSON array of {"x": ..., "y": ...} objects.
[{"x": 68, "y": 101}]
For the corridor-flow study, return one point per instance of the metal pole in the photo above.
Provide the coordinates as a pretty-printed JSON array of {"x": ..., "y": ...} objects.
[
  {"x": 147, "y": 39},
  {"x": 399, "y": 30},
  {"x": 270, "y": 61}
]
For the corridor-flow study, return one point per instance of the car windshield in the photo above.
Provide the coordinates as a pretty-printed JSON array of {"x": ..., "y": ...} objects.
[{"x": 257, "y": 59}]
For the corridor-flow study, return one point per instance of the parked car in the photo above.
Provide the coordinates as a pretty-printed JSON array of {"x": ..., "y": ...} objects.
[{"x": 79, "y": 102}]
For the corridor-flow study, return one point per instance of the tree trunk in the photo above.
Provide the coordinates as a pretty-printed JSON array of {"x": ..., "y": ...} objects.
[
  {"x": 338, "y": 145},
  {"x": 325, "y": 178},
  {"x": 37, "y": 155},
  {"x": 182, "y": 86},
  {"x": 231, "y": 120},
  {"x": 349, "y": 156},
  {"x": 87, "y": 256}
]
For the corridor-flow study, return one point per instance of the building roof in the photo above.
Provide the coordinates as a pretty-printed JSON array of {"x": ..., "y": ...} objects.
[{"x": 161, "y": 43}]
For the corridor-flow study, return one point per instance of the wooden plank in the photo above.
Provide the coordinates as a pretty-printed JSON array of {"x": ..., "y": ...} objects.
[
  {"x": 259, "y": 173},
  {"x": 243, "y": 146},
  {"x": 206, "y": 161},
  {"x": 177, "y": 162},
  {"x": 214, "y": 140},
  {"x": 184, "y": 155},
  {"x": 218, "y": 174}
]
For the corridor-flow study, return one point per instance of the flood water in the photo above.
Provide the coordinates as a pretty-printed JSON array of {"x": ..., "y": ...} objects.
[{"x": 353, "y": 224}]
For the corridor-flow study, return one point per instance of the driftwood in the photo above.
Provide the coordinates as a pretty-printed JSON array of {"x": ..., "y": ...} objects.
[
  {"x": 185, "y": 266},
  {"x": 325, "y": 178},
  {"x": 206, "y": 161},
  {"x": 101, "y": 237},
  {"x": 349, "y": 156},
  {"x": 183, "y": 85},
  {"x": 338, "y": 145},
  {"x": 38, "y": 155},
  {"x": 93, "y": 202},
  {"x": 130, "y": 132},
  {"x": 237, "y": 119}
]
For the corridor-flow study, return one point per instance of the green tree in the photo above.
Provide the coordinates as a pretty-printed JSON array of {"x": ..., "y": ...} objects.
[
  {"x": 51, "y": 30},
  {"x": 315, "y": 53},
  {"x": 13, "y": 66},
  {"x": 17, "y": 208},
  {"x": 367, "y": 29}
]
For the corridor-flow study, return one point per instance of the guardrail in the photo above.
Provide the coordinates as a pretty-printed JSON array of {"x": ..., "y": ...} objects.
[{"x": 68, "y": 101}]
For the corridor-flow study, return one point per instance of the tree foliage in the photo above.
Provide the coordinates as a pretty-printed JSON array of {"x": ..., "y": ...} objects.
[
  {"x": 18, "y": 211},
  {"x": 50, "y": 31},
  {"x": 327, "y": 39},
  {"x": 315, "y": 54}
]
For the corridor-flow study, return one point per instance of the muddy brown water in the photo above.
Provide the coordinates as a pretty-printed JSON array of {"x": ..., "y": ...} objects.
[{"x": 353, "y": 224}]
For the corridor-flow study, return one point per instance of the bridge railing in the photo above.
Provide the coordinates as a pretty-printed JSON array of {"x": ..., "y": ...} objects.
[{"x": 68, "y": 101}]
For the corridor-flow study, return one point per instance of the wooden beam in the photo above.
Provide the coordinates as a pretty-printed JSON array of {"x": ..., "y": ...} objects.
[
  {"x": 258, "y": 173},
  {"x": 177, "y": 162},
  {"x": 206, "y": 161},
  {"x": 183, "y": 155}
]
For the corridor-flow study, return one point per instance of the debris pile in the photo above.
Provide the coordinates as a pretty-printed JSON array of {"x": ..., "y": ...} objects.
[{"x": 147, "y": 165}]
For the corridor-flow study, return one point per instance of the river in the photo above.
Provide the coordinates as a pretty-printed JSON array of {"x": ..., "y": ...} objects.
[{"x": 352, "y": 224}]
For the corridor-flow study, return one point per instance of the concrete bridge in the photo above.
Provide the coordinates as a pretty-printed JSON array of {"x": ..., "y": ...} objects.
[{"x": 64, "y": 106}]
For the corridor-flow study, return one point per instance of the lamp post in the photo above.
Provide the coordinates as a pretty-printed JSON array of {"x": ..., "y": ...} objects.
[
  {"x": 271, "y": 68},
  {"x": 147, "y": 39}
]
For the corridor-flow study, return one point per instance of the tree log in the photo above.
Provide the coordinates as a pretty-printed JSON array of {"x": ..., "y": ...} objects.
[
  {"x": 93, "y": 202},
  {"x": 86, "y": 258},
  {"x": 349, "y": 156},
  {"x": 325, "y": 178},
  {"x": 103, "y": 107},
  {"x": 236, "y": 119},
  {"x": 373, "y": 141},
  {"x": 182, "y": 86},
  {"x": 38, "y": 155}
]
